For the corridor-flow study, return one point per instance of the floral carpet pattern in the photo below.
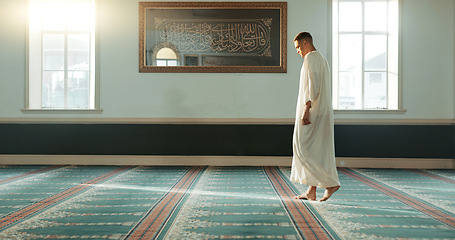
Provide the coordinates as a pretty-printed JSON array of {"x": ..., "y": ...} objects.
[{"x": 201, "y": 202}]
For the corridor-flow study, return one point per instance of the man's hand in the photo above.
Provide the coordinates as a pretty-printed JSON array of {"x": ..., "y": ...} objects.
[
  {"x": 306, "y": 117},
  {"x": 306, "y": 114}
]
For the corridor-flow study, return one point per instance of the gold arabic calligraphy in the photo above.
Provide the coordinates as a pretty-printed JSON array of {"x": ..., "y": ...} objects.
[{"x": 244, "y": 36}]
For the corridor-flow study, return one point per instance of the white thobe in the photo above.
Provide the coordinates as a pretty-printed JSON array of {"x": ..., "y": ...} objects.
[{"x": 313, "y": 162}]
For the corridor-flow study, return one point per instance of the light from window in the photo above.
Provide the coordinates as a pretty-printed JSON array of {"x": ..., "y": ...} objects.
[
  {"x": 365, "y": 54},
  {"x": 61, "y": 54}
]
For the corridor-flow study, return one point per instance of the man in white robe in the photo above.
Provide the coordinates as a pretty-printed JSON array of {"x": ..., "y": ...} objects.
[{"x": 313, "y": 163}]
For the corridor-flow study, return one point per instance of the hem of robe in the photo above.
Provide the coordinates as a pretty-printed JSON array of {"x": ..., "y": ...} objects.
[
  {"x": 297, "y": 171},
  {"x": 304, "y": 182}
]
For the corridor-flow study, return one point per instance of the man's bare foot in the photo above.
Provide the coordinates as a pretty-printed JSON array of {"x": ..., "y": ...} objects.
[
  {"x": 309, "y": 195},
  {"x": 328, "y": 192}
]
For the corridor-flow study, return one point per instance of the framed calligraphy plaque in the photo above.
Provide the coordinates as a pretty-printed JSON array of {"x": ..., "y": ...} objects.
[{"x": 212, "y": 37}]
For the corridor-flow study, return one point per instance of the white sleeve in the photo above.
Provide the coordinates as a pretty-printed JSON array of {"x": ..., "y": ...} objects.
[{"x": 312, "y": 73}]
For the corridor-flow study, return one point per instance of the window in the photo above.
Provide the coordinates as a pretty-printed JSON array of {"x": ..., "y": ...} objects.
[
  {"x": 365, "y": 54},
  {"x": 61, "y": 54},
  {"x": 166, "y": 57}
]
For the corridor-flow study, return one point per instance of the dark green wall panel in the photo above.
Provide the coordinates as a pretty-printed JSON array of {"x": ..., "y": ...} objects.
[
  {"x": 146, "y": 139},
  {"x": 394, "y": 141}
]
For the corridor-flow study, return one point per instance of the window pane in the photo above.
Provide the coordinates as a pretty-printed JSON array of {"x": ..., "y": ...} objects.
[
  {"x": 78, "y": 89},
  {"x": 376, "y": 16},
  {"x": 53, "y": 51},
  {"x": 78, "y": 51},
  {"x": 375, "y": 52},
  {"x": 350, "y": 49},
  {"x": 172, "y": 62},
  {"x": 161, "y": 62},
  {"x": 53, "y": 15},
  {"x": 350, "y": 17},
  {"x": 393, "y": 17},
  {"x": 393, "y": 91},
  {"x": 53, "y": 89},
  {"x": 79, "y": 17},
  {"x": 393, "y": 54},
  {"x": 375, "y": 90},
  {"x": 350, "y": 91}
]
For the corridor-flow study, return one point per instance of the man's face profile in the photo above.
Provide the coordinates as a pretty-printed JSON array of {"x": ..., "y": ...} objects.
[{"x": 299, "y": 46}]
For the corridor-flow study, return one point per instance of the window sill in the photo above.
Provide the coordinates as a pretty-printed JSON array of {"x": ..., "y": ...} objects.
[
  {"x": 63, "y": 111},
  {"x": 366, "y": 111}
]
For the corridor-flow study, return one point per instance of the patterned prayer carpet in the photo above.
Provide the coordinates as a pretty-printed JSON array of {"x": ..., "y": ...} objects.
[{"x": 156, "y": 202}]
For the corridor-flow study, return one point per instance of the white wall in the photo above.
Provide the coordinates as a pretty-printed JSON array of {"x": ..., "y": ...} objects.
[
  {"x": 12, "y": 57},
  {"x": 427, "y": 61},
  {"x": 427, "y": 68}
]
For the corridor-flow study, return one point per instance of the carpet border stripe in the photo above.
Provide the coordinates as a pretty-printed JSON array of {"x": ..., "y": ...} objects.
[
  {"x": 29, "y": 174},
  {"x": 29, "y": 210},
  {"x": 308, "y": 225},
  {"x": 313, "y": 210},
  {"x": 423, "y": 207},
  {"x": 153, "y": 222},
  {"x": 434, "y": 176}
]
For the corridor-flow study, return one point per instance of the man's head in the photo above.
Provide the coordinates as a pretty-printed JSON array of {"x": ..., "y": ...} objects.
[{"x": 303, "y": 42}]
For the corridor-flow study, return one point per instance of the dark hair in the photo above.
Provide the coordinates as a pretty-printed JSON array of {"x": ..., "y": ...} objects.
[{"x": 306, "y": 36}]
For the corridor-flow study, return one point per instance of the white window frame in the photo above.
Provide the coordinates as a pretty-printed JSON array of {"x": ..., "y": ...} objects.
[
  {"x": 33, "y": 101},
  {"x": 333, "y": 33}
]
